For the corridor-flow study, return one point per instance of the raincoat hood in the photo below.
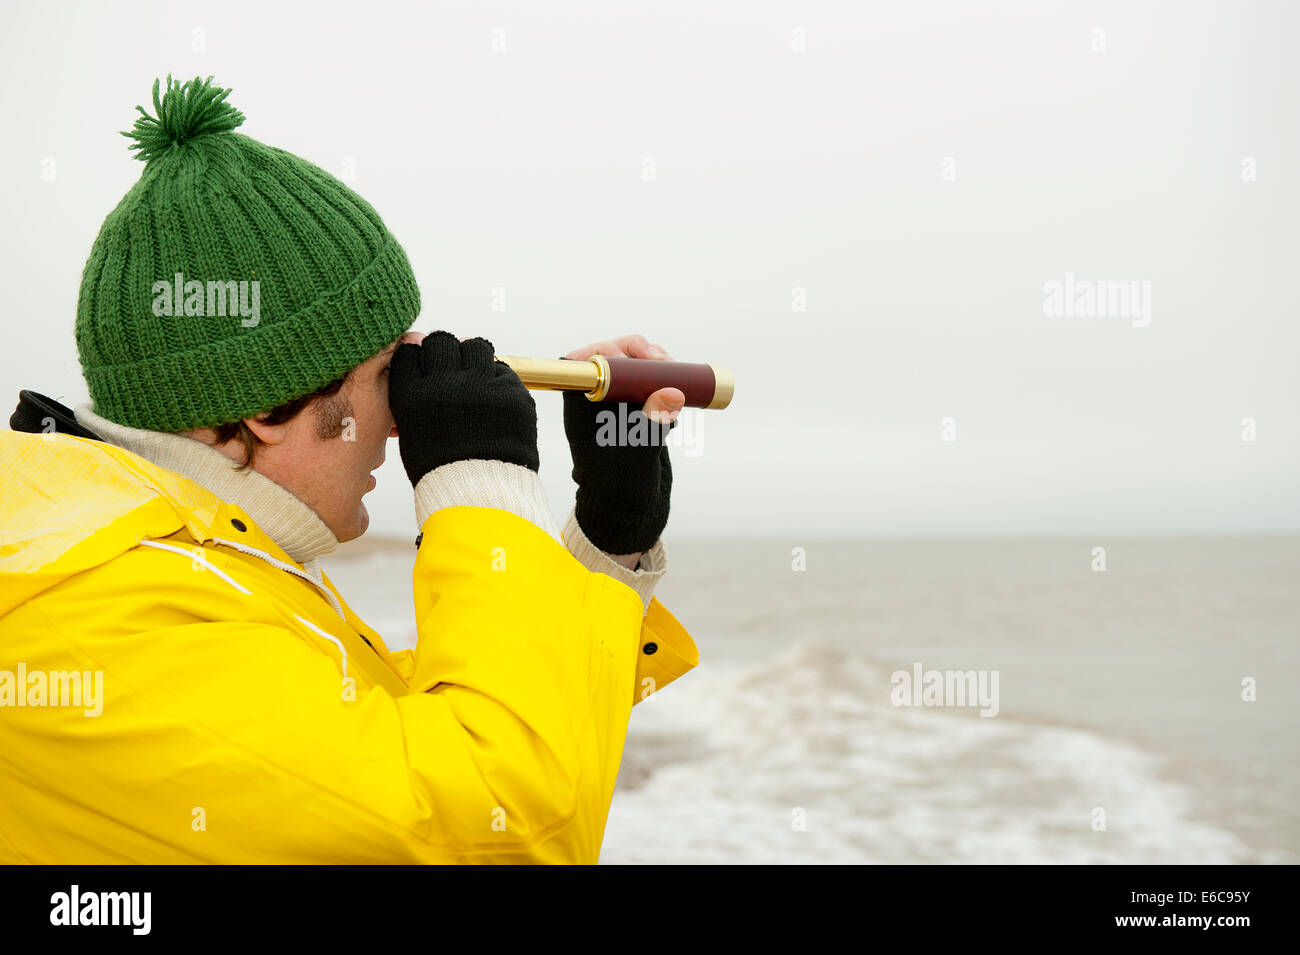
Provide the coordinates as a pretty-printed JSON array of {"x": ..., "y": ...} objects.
[{"x": 72, "y": 511}]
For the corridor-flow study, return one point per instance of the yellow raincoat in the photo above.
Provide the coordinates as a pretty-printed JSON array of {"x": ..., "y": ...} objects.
[{"x": 247, "y": 715}]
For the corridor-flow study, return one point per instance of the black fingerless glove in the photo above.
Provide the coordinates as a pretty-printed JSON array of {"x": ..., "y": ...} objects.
[
  {"x": 452, "y": 401},
  {"x": 623, "y": 488}
]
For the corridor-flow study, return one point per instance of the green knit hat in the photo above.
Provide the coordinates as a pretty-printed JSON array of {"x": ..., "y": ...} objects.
[{"x": 233, "y": 277}]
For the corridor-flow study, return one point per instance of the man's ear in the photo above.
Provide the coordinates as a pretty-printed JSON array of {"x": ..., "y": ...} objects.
[{"x": 268, "y": 433}]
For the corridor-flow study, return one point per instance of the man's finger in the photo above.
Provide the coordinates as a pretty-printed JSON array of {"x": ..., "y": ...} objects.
[
  {"x": 630, "y": 346},
  {"x": 634, "y": 346},
  {"x": 664, "y": 405},
  {"x": 610, "y": 349}
]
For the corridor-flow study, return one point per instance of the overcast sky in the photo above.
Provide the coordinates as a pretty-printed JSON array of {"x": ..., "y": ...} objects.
[{"x": 859, "y": 207}]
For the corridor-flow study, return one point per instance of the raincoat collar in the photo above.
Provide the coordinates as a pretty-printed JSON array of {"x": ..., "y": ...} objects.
[{"x": 286, "y": 520}]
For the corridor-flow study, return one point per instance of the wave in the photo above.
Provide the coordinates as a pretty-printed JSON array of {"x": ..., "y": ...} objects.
[{"x": 802, "y": 759}]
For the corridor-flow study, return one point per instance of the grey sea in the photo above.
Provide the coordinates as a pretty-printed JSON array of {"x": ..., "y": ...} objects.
[{"x": 1146, "y": 713}]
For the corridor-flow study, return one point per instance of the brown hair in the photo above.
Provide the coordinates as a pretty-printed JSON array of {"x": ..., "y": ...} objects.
[{"x": 330, "y": 410}]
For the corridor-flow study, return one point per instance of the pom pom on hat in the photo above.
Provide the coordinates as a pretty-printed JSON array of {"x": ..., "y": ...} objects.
[{"x": 183, "y": 112}]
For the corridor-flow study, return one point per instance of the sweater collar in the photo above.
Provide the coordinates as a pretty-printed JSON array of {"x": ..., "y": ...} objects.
[{"x": 294, "y": 526}]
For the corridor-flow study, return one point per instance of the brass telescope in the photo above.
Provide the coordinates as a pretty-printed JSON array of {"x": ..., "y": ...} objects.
[{"x": 632, "y": 380}]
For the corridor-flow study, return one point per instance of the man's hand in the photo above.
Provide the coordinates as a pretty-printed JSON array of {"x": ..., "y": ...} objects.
[
  {"x": 623, "y": 488},
  {"x": 665, "y": 404},
  {"x": 452, "y": 401}
]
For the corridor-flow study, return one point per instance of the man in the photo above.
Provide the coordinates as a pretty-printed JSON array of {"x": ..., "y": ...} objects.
[{"x": 179, "y": 681}]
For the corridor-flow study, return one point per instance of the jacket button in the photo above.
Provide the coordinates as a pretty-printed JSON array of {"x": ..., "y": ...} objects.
[
  {"x": 650, "y": 648},
  {"x": 418, "y": 537},
  {"x": 238, "y": 524}
]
